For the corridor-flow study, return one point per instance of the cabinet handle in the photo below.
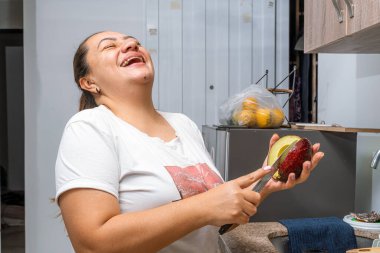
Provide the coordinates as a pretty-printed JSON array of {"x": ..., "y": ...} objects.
[
  {"x": 350, "y": 7},
  {"x": 338, "y": 10}
]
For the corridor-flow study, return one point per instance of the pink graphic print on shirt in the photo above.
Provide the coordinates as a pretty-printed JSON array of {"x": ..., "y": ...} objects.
[{"x": 194, "y": 179}]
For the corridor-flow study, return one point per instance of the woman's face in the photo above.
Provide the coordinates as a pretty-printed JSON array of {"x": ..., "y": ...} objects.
[{"x": 117, "y": 60}]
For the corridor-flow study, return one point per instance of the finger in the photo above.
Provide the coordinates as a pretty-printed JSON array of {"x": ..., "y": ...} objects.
[
  {"x": 306, "y": 170},
  {"x": 247, "y": 180},
  {"x": 291, "y": 182},
  {"x": 316, "y": 159},
  {"x": 251, "y": 196},
  {"x": 249, "y": 208},
  {"x": 243, "y": 218},
  {"x": 316, "y": 147},
  {"x": 273, "y": 140}
]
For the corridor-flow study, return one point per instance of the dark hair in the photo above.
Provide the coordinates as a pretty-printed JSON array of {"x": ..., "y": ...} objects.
[{"x": 81, "y": 69}]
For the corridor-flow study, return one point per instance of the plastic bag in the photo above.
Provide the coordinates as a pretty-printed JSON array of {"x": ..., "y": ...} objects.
[{"x": 254, "y": 107}]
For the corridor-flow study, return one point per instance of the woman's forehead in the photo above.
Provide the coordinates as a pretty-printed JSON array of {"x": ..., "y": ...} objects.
[{"x": 95, "y": 39}]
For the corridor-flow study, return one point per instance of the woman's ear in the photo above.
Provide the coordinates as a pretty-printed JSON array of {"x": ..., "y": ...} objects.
[{"x": 88, "y": 84}]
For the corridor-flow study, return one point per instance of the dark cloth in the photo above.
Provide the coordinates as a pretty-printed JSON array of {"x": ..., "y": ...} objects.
[
  {"x": 295, "y": 103},
  {"x": 306, "y": 88},
  {"x": 328, "y": 234}
]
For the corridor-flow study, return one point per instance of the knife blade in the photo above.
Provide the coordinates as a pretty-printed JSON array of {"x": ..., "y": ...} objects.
[{"x": 262, "y": 182}]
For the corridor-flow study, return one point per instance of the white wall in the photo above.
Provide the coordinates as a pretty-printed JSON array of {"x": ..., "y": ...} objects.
[
  {"x": 198, "y": 43},
  {"x": 348, "y": 89},
  {"x": 348, "y": 95},
  {"x": 53, "y": 30}
]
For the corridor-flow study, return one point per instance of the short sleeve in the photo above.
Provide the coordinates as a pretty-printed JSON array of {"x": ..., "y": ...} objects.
[{"x": 86, "y": 158}]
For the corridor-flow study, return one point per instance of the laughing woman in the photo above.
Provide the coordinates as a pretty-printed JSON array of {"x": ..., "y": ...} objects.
[{"x": 130, "y": 178}]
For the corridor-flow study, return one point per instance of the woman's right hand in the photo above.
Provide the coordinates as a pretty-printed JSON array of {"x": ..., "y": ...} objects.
[{"x": 233, "y": 202}]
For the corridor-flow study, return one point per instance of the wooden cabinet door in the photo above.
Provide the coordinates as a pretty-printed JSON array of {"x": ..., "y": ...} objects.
[
  {"x": 366, "y": 13},
  {"x": 321, "y": 23}
]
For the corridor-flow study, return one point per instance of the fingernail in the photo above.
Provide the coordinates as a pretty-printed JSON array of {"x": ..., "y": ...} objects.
[
  {"x": 267, "y": 167},
  {"x": 292, "y": 177}
]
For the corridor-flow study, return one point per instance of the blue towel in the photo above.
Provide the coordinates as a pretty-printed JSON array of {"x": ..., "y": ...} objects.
[{"x": 328, "y": 234}]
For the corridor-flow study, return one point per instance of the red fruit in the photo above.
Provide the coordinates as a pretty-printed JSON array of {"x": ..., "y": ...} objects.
[{"x": 293, "y": 160}]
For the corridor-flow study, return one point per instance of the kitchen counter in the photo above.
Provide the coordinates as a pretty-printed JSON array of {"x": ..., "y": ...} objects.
[{"x": 254, "y": 237}]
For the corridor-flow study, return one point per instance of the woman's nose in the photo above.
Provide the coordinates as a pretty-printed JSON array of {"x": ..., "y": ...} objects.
[{"x": 129, "y": 45}]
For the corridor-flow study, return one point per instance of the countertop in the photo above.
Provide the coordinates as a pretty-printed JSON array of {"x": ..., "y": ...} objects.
[{"x": 254, "y": 237}]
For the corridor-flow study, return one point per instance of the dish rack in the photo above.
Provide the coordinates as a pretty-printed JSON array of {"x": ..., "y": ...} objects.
[{"x": 276, "y": 91}]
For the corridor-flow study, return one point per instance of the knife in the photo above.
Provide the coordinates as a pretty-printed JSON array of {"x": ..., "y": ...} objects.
[{"x": 262, "y": 182}]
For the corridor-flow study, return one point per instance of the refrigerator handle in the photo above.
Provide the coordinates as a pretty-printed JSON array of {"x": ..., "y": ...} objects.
[
  {"x": 212, "y": 154},
  {"x": 226, "y": 157}
]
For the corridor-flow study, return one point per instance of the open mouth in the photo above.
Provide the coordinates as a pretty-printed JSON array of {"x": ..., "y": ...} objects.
[{"x": 132, "y": 60}]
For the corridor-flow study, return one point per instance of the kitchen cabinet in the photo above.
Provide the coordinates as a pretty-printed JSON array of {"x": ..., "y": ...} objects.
[
  {"x": 321, "y": 24},
  {"x": 366, "y": 14},
  {"x": 342, "y": 26}
]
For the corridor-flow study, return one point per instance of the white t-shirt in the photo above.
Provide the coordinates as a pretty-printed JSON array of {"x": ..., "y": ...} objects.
[{"x": 101, "y": 151}]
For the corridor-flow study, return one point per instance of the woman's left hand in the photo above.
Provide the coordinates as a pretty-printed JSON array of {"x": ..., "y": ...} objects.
[{"x": 308, "y": 167}]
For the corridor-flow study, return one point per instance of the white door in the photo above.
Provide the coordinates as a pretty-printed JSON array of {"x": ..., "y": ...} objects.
[{"x": 205, "y": 51}]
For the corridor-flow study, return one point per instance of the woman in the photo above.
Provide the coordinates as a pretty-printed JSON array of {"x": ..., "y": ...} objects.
[{"x": 133, "y": 179}]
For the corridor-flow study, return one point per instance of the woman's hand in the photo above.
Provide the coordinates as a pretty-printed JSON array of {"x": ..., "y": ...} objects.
[
  {"x": 308, "y": 167},
  {"x": 234, "y": 201}
]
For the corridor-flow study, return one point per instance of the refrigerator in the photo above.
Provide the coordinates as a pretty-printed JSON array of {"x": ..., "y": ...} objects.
[{"x": 331, "y": 190}]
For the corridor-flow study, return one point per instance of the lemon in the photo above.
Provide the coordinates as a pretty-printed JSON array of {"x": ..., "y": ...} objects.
[
  {"x": 277, "y": 117},
  {"x": 246, "y": 118},
  {"x": 263, "y": 117},
  {"x": 250, "y": 103}
]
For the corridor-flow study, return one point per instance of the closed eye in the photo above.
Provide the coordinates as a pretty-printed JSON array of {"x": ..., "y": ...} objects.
[{"x": 109, "y": 46}]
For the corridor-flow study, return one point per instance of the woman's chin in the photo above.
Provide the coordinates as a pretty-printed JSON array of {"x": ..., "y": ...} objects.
[
  {"x": 141, "y": 78},
  {"x": 145, "y": 77}
]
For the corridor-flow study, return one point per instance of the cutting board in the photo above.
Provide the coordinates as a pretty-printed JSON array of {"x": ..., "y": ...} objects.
[
  {"x": 333, "y": 128},
  {"x": 363, "y": 250}
]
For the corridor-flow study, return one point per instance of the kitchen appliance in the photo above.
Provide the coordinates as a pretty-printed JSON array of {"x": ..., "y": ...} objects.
[{"x": 330, "y": 190}]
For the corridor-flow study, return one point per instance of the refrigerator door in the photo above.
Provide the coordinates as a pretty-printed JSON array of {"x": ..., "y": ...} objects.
[{"x": 330, "y": 190}]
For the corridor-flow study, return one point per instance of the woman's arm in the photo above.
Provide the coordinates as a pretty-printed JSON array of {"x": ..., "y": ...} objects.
[{"x": 95, "y": 224}]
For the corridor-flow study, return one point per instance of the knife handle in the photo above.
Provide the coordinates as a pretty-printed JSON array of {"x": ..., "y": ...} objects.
[
  {"x": 223, "y": 229},
  {"x": 227, "y": 227}
]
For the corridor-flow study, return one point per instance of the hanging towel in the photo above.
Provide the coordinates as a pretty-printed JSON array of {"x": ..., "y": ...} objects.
[{"x": 329, "y": 234}]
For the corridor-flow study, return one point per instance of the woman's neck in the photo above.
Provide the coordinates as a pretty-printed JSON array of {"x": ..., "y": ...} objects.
[{"x": 137, "y": 110}]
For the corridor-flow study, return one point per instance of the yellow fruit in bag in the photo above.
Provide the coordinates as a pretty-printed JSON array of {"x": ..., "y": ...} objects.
[
  {"x": 250, "y": 103},
  {"x": 263, "y": 117},
  {"x": 254, "y": 106},
  {"x": 245, "y": 118},
  {"x": 278, "y": 117}
]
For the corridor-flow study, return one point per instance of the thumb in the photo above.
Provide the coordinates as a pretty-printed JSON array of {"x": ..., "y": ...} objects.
[{"x": 247, "y": 180}]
